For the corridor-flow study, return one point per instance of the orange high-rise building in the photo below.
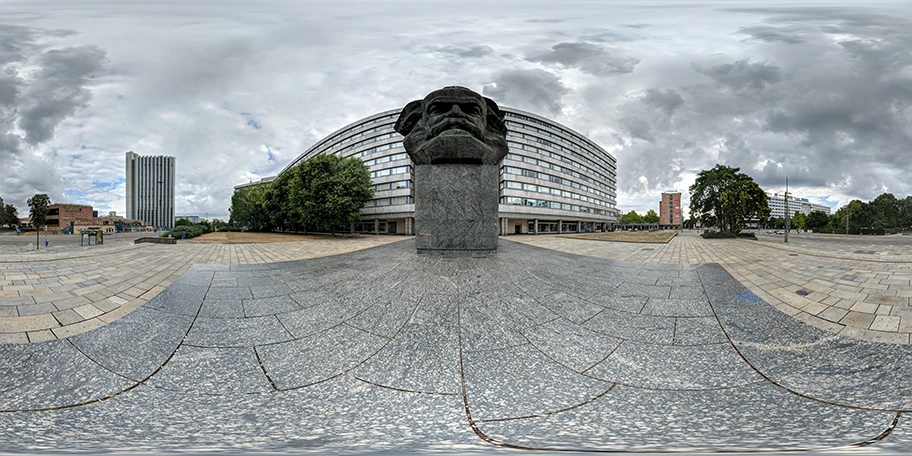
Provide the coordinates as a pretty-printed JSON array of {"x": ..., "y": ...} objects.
[{"x": 670, "y": 209}]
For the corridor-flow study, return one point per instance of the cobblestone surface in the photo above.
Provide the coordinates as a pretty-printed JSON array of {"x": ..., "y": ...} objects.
[
  {"x": 819, "y": 279},
  {"x": 58, "y": 293}
]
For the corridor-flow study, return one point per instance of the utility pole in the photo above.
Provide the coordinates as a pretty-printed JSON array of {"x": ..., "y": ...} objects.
[{"x": 788, "y": 217}]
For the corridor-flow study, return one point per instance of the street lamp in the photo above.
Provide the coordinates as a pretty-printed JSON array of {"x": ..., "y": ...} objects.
[{"x": 788, "y": 217}]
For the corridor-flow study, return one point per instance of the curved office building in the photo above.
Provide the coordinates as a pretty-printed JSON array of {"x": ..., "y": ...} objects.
[{"x": 553, "y": 180}]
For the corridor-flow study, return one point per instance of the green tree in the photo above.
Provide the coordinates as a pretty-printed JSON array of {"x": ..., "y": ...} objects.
[
  {"x": 858, "y": 216},
  {"x": 327, "y": 191},
  {"x": 38, "y": 211},
  {"x": 248, "y": 207},
  {"x": 651, "y": 217},
  {"x": 884, "y": 211},
  {"x": 724, "y": 198},
  {"x": 798, "y": 220},
  {"x": 817, "y": 220},
  {"x": 10, "y": 215},
  {"x": 905, "y": 212},
  {"x": 183, "y": 222},
  {"x": 631, "y": 217}
]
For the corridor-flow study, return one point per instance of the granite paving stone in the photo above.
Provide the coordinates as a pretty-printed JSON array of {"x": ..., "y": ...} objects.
[
  {"x": 675, "y": 367},
  {"x": 52, "y": 374},
  {"x": 423, "y": 356},
  {"x": 258, "y": 307},
  {"x": 570, "y": 307},
  {"x": 570, "y": 344},
  {"x": 319, "y": 357},
  {"x": 385, "y": 349},
  {"x": 154, "y": 335},
  {"x": 222, "y": 308},
  {"x": 197, "y": 370},
  {"x": 698, "y": 331},
  {"x": 625, "y": 325},
  {"x": 237, "y": 332},
  {"x": 628, "y": 418},
  {"x": 521, "y": 381}
]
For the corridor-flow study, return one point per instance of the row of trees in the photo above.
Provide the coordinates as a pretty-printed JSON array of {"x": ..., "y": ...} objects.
[
  {"x": 723, "y": 197},
  {"x": 9, "y": 215},
  {"x": 633, "y": 218},
  {"x": 323, "y": 192}
]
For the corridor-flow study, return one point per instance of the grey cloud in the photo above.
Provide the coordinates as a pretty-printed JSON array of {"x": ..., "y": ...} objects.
[
  {"x": 743, "y": 74},
  {"x": 9, "y": 88},
  {"x": 475, "y": 51},
  {"x": 59, "y": 88},
  {"x": 771, "y": 34},
  {"x": 39, "y": 88},
  {"x": 532, "y": 90},
  {"x": 666, "y": 100},
  {"x": 589, "y": 58},
  {"x": 15, "y": 43},
  {"x": 607, "y": 36},
  {"x": 638, "y": 128},
  {"x": 735, "y": 152}
]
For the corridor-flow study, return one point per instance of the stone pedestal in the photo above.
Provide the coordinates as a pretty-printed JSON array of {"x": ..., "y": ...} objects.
[{"x": 456, "y": 208}]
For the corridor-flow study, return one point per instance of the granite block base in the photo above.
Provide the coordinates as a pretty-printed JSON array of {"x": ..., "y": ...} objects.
[{"x": 456, "y": 208}]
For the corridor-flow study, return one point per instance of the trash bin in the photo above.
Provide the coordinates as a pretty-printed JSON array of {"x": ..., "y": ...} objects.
[
  {"x": 99, "y": 238},
  {"x": 183, "y": 235}
]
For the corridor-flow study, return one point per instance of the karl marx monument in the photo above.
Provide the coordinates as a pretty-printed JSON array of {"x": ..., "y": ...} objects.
[{"x": 456, "y": 140}]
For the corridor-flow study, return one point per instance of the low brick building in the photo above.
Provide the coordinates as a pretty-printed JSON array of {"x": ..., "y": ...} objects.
[{"x": 75, "y": 217}]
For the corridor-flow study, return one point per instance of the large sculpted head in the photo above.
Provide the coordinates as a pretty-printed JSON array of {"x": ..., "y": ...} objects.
[{"x": 453, "y": 125}]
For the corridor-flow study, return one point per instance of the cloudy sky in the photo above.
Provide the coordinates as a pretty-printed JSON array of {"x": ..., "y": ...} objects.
[{"x": 818, "y": 91}]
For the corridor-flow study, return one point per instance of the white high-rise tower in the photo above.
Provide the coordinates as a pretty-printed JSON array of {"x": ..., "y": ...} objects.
[{"x": 150, "y": 189}]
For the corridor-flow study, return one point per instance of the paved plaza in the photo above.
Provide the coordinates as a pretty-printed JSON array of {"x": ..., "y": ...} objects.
[{"x": 365, "y": 346}]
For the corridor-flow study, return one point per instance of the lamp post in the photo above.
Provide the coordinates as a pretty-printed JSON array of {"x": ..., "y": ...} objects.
[{"x": 788, "y": 218}]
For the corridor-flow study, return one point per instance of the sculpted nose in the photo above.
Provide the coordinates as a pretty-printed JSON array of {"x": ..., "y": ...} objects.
[{"x": 454, "y": 110}]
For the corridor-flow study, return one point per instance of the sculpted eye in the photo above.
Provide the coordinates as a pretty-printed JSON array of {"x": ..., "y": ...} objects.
[
  {"x": 438, "y": 108},
  {"x": 472, "y": 109}
]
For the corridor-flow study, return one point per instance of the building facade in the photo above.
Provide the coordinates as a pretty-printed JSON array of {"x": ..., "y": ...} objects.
[
  {"x": 670, "y": 210},
  {"x": 553, "y": 179},
  {"x": 777, "y": 203},
  {"x": 72, "y": 218},
  {"x": 150, "y": 189}
]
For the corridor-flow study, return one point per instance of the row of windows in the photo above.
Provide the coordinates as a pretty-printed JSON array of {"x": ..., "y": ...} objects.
[
  {"x": 552, "y": 178},
  {"x": 392, "y": 185},
  {"x": 386, "y": 158},
  {"x": 551, "y": 204},
  {"x": 574, "y": 144},
  {"x": 551, "y": 191},
  {"x": 366, "y": 141},
  {"x": 390, "y": 171},
  {"x": 394, "y": 201},
  {"x": 552, "y": 154},
  {"x": 546, "y": 164},
  {"x": 539, "y": 122},
  {"x": 380, "y": 148},
  {"x": 384, "y": 119}
]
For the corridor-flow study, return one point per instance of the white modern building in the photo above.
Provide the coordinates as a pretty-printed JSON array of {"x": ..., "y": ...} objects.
[
  {"x": 777, "y": 203},
  {"x": 553, "y": 179},
  {"x": 150, "y": 189}
]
